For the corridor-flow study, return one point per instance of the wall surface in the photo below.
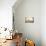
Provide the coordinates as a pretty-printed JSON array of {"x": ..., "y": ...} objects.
[
  {"x": 43, "y": 22},
  {"x": 30, "y": 30},
  {"x": 6, "y": 13}
]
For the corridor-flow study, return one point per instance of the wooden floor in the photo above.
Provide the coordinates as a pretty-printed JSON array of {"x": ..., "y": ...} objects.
[{"x": 9, "y": 43}]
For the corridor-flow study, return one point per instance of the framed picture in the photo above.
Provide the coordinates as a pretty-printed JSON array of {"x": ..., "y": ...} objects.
[{"x": 29, "y": 19}]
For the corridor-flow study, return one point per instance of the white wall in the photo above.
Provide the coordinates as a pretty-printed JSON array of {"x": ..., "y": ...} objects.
[
  {"x": 6, "y": 13},
  {"x": 43, "y": 22},
  {"x": 30, "y": 30}
]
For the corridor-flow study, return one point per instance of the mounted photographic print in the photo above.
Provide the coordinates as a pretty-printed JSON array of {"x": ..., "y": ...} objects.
[{"x": 29, "y": 19}]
